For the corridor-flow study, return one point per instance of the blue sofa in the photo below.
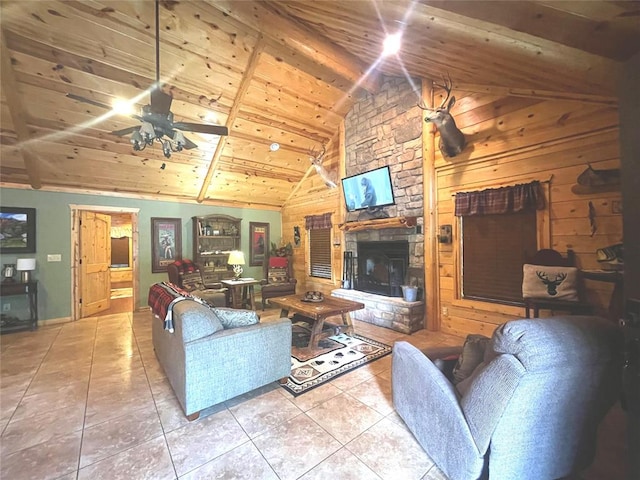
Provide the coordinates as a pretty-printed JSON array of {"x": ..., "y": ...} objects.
[
  {"x": 529, "y": 411},
  {"x": 215, "y": 354}
]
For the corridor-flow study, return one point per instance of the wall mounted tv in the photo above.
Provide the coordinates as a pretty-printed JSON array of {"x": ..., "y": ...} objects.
[{"x": 368, "y": 189}]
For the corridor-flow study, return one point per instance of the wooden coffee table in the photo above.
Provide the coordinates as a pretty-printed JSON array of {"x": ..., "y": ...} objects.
[{"x": 317, "y": 312}]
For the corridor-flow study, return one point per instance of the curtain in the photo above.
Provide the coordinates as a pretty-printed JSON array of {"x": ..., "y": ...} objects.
[
  {"x": 316, "y": 222},
  {"x": 518, "y": 198},
  {"x": 121, "y": 231}
]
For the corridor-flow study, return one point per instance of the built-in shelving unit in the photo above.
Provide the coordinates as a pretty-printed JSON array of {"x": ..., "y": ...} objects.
[{"x": 214, "y": 236}]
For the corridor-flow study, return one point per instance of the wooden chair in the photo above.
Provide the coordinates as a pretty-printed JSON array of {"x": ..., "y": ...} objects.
[
  {"x": 188, "y": 276},
  {"x": 553, "y": 258}
]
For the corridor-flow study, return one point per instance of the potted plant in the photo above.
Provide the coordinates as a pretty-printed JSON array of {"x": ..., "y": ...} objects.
[
  {"x": 411, "y": 288},
  {"x": 282, "y": 250}
]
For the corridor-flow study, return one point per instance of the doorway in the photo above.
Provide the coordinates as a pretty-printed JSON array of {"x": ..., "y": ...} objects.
[{"x": 105, "y": 267}]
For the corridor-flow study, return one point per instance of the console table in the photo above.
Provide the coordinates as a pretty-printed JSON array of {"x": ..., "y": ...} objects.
[{"x": 11, "y": 323}]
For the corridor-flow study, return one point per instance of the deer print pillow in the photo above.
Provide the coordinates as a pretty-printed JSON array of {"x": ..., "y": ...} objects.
[{"x": 559, "y": 283}]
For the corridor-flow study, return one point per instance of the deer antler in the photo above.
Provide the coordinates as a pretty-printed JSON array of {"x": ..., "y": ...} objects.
[
  {"x": 446, "y": 85},
  {"x": 317, "y": 157},
  {"x": 316, "y": 160}
]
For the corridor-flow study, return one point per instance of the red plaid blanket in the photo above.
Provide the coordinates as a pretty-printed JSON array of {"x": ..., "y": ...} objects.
[
  {"x": 185, "y": 265},
  {"x": 162, "y": 297}
]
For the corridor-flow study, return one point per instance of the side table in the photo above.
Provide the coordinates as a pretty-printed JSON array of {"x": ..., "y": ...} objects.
[
  {"x": 240, "y": 292},
  {"x": 10, "y": 323}
]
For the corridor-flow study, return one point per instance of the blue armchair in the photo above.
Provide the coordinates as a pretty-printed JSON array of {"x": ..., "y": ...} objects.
[{"x": 529, "y": 411}]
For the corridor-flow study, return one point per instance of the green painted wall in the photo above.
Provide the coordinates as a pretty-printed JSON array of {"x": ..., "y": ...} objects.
[{"x": 53, "y": 236}]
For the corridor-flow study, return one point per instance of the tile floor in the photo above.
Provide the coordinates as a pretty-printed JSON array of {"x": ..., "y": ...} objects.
[{"x": 89, "y": 400}]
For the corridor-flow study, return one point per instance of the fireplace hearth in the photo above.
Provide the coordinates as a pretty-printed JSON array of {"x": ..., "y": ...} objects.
[{"x": 381, "y": 267}]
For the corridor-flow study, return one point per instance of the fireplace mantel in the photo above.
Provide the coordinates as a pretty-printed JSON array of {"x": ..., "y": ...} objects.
[{"x": 377, "y": 223}]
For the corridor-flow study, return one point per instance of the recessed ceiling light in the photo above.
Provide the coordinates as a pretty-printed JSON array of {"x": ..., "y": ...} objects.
[
  {"x": 391, "y": 44},
  {"x": 274, "y": 147}
]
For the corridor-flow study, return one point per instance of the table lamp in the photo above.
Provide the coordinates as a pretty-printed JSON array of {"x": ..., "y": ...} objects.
[
  {"x": 236, "y": 258},
  {"x": 25, "y": 266}
]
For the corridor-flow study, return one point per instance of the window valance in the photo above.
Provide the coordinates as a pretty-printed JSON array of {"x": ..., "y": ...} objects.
[
  {"x": 121, "y": 231},
  {"x": 522, "y": 197},
  {"x": 316, "y": 222}
]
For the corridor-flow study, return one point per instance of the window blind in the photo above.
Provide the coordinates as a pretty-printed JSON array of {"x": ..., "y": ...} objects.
[
  {"x": 320, "y": 252},
  {"x": 494, "y": 249}
]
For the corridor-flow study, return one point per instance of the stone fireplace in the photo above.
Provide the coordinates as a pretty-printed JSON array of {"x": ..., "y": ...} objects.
[
  {"x": 382, "y": 267},
  {"x": 381, "y": 129}
]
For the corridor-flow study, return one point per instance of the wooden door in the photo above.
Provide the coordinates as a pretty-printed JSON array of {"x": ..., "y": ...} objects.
[{"x": 95, "y": 261}]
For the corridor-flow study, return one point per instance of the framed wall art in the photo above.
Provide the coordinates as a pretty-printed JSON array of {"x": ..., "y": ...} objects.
[
  {"x": 17, "y": 230},
  {"x": 166, "y": 242},
  {"x": 258, "y": 243}
]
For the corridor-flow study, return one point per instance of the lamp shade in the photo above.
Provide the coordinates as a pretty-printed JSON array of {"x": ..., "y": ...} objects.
[
  {"x": 236, "y": 257},
  {"x": 26, "y": 264}
]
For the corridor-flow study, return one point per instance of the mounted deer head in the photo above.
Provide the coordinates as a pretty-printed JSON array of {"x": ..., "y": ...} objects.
[
  {"x": 552, "y": 285},
  {"x": 316, "y": 160},
  {"x": 452, "y": 140}
]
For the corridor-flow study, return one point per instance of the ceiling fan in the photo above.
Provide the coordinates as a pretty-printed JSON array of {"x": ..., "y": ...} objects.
[{"x": 157, "y": 118}]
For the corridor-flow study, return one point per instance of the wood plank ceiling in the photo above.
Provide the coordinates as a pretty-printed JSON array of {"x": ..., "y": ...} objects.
[{"x": 272, "y": 71}]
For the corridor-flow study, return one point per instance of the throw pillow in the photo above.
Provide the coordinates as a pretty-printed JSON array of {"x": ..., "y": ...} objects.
[
  {"x": 277, "y": 275},
  {"x": 233, "y": 317},
  {"x": 472, "y": 355},
  {"x": 558, "y": 283}
]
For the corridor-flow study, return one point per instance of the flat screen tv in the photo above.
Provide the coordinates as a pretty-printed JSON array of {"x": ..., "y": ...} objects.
[{"x": 368, "y": 189}]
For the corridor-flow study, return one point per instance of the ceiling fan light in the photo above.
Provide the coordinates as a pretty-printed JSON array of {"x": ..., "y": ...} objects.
[
  {"x": 166, "y": 148},
  {"x": 178, "y": 139},
  {"x": 122, "y": 107},
  {"x": 136, "y": 140},
  {"x": 147, "y": 132}
]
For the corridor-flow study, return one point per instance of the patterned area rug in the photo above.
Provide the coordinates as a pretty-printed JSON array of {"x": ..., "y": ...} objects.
[{"x": 335, "y": 356}]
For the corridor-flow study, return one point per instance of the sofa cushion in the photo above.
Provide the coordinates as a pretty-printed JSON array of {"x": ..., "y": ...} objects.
[
  {"x": 472, "y": 355},
  {"x": 557, "y": 283}
]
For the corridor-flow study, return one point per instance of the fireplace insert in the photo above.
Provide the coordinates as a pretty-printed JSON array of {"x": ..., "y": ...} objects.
[{"x": 382, "y": 267}]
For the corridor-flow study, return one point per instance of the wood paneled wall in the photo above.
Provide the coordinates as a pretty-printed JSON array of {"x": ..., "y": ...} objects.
[
  {"x": 511, "y": 140},
  {"x": 313, "y": 197},
  {"x": 516, "y": 140}
]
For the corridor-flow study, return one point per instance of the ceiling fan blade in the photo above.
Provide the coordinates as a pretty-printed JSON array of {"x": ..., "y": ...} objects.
[
  {"x": 87, "y": 100},
  {"x": 201, "y": 128},
  {"x": 125, "y": 131},
  {"x": 188, "y": 144},
  {"x": 160, "y": 102}
]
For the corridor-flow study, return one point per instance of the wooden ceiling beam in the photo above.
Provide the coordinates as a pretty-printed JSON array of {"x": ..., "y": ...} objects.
[
  {"x": 244, "y": 86},
  {"x": 275, "y": 24},
  {"x": 16, "y": 110}
]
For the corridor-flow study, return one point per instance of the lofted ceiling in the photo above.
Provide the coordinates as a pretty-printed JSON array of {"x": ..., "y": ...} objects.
[{"x": 271, "y": 71}]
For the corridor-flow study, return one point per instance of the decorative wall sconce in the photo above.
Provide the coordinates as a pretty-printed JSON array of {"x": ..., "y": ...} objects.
[
  {"x": 336, "y": 241},
  {"x": 445, "y": 235}
]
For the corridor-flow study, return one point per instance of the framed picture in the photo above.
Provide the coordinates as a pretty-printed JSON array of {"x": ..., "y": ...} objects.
[
  {"x": 17, "y": 230},
  {"x": 166, "y": 242},
  {"x": 259, "y": 243}
]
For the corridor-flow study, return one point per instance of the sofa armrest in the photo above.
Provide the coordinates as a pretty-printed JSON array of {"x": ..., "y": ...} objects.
[
  {"x": 429, "y": 405},
  {"x": 488, "y": 391}
]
